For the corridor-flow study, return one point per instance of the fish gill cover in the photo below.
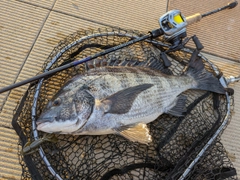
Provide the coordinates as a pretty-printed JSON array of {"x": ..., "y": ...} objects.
[{"x": 177, "y": 142}]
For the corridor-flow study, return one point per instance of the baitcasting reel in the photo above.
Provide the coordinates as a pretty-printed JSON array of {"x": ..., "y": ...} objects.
[{"x": 173, "y": 24}]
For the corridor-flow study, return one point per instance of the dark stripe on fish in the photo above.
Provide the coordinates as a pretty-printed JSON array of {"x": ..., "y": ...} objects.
[{"x": 148, "y": 72}]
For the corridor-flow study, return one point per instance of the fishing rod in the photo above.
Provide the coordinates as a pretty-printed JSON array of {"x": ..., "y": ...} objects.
[{"x": 172, "y": 26}]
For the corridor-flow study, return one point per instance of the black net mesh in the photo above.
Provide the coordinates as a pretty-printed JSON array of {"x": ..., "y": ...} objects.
[{"x": 177, "y": 143}]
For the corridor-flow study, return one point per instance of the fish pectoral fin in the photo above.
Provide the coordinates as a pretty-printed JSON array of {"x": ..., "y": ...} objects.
[
  {"x": 122, "y": 101},
  {"x": 137, "y": 132},
  {"x": 178, "y": 107}
]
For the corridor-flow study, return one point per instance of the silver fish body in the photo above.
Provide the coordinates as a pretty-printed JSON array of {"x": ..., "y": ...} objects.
[
  {"x": 160, "y": 92},
  {"x": 122, "y": 100}
]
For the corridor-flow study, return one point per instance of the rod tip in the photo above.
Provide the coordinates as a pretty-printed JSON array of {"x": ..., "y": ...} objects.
[{"x": 233, "y": 4}]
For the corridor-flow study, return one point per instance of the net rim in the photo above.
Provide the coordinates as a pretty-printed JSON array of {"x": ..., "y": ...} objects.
[{"x": 114, "y": 33}]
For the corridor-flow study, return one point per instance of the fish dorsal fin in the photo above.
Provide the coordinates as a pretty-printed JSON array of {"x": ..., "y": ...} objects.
[
  {"x": 152, "y": 63},
  {"x": 121, "y": 101},
  {"x": 178, "y": 106},
  {"x": 136, "y": 133},
  {"x": 156, "y": 64}
]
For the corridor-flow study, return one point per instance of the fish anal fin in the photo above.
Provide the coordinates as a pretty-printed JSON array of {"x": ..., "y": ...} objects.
[
  {"x": 122, "y": 101},
  {"x": 178, "y": 107},
  {"x": 136, "y": 133}
]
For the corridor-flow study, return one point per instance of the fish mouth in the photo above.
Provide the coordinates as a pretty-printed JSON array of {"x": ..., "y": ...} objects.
[
  {"x": 40, "y": 125},
  {"x": 42, "y": 122},
  {"x": 45, "y": 119}
]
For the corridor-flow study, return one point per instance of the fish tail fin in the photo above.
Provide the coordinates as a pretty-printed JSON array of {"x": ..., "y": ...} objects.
[{"x": 204, "y": 79}]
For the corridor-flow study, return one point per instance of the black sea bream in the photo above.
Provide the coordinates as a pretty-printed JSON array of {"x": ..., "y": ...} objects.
[{"x": 121, "y": 100}]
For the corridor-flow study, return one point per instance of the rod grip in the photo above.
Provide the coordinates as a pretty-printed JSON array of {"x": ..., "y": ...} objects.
[{"x": 194, "y": 18}]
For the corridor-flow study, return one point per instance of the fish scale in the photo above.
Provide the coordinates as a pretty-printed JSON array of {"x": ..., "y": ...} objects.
[{"x": 145, "y": 104}]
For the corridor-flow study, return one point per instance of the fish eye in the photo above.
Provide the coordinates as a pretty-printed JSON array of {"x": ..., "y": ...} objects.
[{"x": 57, "y": 102}]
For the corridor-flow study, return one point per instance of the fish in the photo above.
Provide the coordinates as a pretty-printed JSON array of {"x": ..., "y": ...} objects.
[{"x": 122, "y": 100}]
